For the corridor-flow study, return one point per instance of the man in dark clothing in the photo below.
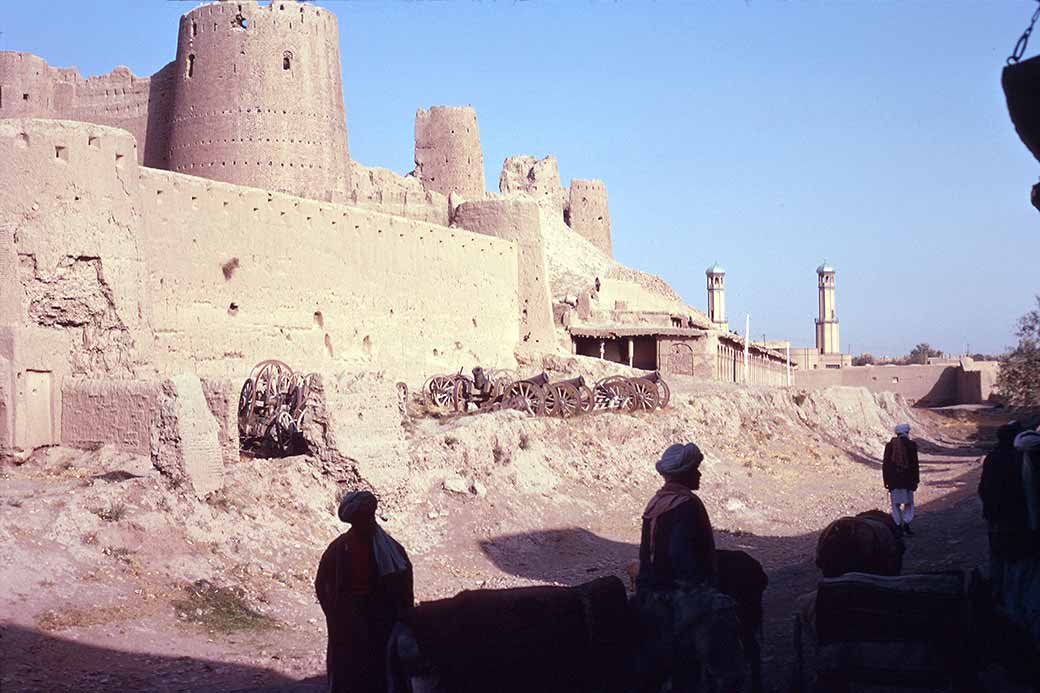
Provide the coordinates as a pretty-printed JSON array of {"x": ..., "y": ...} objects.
[
  {"x": 1004, "y": 502},
  {"x": 688, "y": 631},
  {"x": 364, "y": 585},
  {"x": 901, "y": 472}
]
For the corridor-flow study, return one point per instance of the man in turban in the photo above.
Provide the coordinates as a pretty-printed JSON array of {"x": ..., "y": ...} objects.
[
  {"x": 364, "y": 585},
  {"x": 688, "y": 630},
  {"x": 901, "y": 472}
]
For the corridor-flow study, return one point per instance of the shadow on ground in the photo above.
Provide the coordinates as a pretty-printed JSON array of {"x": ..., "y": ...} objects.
[
  {"x": 83, "y": 667},
  {"x": 950, "y": 535}
]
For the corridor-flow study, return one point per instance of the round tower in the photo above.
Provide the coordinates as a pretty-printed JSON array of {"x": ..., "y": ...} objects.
[
  {"x": 258, "y": 98},
  {"x": 448, "y": 158},
  {"x": 827, "y": 323},
  {"x": 717, "y": 296},
  {"x": 588, "y": 213}
]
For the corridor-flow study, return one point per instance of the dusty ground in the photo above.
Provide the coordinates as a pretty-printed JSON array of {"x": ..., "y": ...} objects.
[{"x": 117, "y": 581}]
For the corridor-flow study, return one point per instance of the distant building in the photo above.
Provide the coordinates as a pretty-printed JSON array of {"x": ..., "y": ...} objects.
[
  {"x": 717, "y": 297},
  {"x": 827, "y": 353}
]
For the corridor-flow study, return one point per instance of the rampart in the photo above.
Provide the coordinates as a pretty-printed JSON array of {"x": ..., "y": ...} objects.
[
  {"x": 448, "y": 157},
  {"x": 518, "y": 221},
  {"x": 114, "y": 271},
  {"x": 588, "y": 213},
  {"x": 926, "y": 385}
]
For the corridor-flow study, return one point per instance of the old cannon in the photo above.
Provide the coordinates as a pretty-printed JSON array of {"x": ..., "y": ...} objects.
[
  {"x": 631, "y": 394},
  {"x": 271, "y": 405}
]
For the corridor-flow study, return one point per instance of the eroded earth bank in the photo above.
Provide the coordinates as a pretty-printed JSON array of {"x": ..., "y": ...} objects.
[{"x": 117, "y": 577}]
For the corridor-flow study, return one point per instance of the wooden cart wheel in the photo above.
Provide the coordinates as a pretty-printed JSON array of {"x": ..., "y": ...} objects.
[
  {"x": 562, "y": 400},
  {"x": 527, "y": 397},
  {"x": 587, "y": 399},
  {"x": 664, "y": 394},
  {"x": 621, "y": 394},
  {"x": 441, "y": 391},
  {"x": 644, "y": 394},
  {"x": 459, "y": 395}
]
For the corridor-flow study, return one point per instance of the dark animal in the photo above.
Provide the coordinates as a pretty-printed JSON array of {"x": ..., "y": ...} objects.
[
  {"x": 740, "y": 576},
  {"x": 870, "y": 542},
  {"x": 546, "y": 639}
]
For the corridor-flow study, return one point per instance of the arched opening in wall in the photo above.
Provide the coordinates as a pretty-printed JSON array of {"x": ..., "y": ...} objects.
[
  {"x": 287, "y": 57},
  {"x": 191, "y": 65},
  {"x": 194, "y": 28},
  {"x": 240, "y": 22}
]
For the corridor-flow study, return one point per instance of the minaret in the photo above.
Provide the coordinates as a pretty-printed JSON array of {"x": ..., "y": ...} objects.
[
  {"x": 717, "y": 297},
  {"x": 827, "y": 323}
]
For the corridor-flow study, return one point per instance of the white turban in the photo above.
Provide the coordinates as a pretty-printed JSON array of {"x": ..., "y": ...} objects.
[
  {"x": 902, "y": 429},
  {"x": 679, "y": 458}
]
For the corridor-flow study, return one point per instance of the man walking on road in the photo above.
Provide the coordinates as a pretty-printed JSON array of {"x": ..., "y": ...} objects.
[{"x": 901, "y": 472}]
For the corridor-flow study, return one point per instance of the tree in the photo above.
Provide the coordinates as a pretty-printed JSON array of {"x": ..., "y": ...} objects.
[
  {"x": 922, "y": 352},
  {"x": 1019, "y": 376},
  {"x": 863, "y": 360}
]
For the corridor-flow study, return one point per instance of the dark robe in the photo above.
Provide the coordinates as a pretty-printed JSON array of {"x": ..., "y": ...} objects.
[
  {"x": 360, "y": 608},
  {"x": 1004, "y": 501},
  {"x": 677, "y": 546},
  {"x": 900, "y": 467}
]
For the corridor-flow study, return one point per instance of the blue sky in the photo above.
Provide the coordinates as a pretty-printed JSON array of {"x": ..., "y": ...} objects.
[{"x": 765, "y": 135}]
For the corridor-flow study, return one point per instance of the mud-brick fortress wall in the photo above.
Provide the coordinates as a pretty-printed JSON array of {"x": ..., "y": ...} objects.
[
  {"x": 110, "y": 271},
  {"x": 259, "y": 99},
  {"x": 242, "y": 275},
  {"x": 72, "y": 288}
]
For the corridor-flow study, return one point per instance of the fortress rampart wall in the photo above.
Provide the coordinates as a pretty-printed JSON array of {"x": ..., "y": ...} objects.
[
  {"x": 114, "y": 271},
  {"x": 259, "y": 99},
  {"x": 448, "y": 157},
  {"x": 317, "y": 284},
  {"x": 382, "y": 190},
  {"x": 74, "y": 303},
  {"x": 518, "y": 221},
  {"x": 589, "y": 214},
  {"x": 29, "y": 87}
]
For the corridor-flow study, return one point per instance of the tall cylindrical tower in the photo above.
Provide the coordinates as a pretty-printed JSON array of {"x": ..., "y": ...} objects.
[
  {"x": 717, "y": 296},
  {"x": 827, "y": 323},
  {"x": 259, "y": 99}
]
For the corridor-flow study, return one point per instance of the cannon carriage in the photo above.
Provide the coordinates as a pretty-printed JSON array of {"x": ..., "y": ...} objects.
[
  {"x": 502, "y": 389},
  {"x": 271, "y": 406}
]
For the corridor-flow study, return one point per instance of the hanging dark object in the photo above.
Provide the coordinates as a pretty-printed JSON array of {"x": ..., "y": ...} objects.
[{"x": 1021, "y": 82}]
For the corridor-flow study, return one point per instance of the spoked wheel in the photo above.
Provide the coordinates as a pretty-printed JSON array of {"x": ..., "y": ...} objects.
[
  {"x": 527, "y": 397},
  {"x": 440, "y": 391},
  {"x": 644, "y": 394},
  {"x": 562, "y": 400},
  {"x": 587, "y": 399},
  {"x": 664, "y": 395},
  {"x": 621, "y": 394}
]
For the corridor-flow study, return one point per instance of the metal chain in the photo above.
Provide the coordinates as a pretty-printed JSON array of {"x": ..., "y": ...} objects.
[{"x": 1023, "y": 40}]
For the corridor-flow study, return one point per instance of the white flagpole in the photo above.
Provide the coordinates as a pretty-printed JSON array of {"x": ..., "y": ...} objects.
[
  {"x": 788, "y": 364},
  {"x": 747, "y": 333}
]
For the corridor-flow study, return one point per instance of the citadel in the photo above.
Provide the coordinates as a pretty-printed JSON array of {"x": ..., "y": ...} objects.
[{"x": 160, "y": 235}]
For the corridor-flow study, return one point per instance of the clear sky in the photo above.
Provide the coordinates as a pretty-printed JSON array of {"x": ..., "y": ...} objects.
[{"x": 765, "y": 135}]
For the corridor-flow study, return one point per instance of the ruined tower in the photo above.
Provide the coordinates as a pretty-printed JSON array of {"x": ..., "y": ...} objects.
[
  {"x": 448, "y": 158},
  {"x": 827, "y": 323},
  {"x": 717, "y": 296},
  {"x": 588, "y": 214},
  {"x": 258, "y": 98}
]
